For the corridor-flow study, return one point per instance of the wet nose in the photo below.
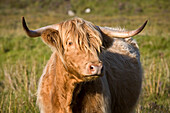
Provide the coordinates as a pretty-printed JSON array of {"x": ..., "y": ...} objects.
[{"x": 95, "y": 68}]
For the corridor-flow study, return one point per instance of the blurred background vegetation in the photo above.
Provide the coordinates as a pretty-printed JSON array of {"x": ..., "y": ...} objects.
[{"x": 22, "y": 59}]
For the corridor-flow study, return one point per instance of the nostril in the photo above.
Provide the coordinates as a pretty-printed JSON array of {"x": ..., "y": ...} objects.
[{"x": 91, "y": 67}]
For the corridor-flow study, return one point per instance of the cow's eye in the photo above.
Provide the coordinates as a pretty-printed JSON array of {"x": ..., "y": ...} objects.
[{"x": 70, "y": 43}]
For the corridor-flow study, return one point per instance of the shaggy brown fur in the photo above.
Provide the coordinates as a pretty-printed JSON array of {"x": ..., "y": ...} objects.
[{"x": 64, "y": 88}]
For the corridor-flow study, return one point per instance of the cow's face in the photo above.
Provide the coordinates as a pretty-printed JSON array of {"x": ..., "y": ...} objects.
[
  {"x": 85, "y": 64},
  {"x": 78, "y": 44}
]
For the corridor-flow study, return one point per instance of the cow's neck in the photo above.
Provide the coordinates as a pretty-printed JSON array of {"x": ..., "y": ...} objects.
[{"x": 64, "y": 87}]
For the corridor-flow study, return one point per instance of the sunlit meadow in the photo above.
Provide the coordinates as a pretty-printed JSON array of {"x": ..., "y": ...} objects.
[{"x": 22, "y": 59}]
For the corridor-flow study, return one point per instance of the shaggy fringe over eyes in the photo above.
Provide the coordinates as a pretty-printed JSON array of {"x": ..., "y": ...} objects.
[{"x": 83, "y": 33}]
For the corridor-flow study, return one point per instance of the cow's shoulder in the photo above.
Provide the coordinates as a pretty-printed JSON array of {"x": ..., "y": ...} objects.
[{"x": 45, "y": 86}]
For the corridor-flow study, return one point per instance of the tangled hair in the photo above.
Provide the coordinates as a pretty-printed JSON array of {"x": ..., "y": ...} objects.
[{"x": 83, "y": 33}]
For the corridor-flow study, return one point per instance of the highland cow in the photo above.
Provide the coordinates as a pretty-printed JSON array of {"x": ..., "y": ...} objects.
[{"x": 92, "y": 69}]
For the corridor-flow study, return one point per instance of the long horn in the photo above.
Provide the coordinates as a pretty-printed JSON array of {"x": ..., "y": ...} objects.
[
  {"x": 37, "y": 32},
  {"x": 123, "y": 34}
]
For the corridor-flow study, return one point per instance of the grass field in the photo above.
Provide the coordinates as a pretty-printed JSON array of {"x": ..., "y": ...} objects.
[{"x": 22, "y": 59}]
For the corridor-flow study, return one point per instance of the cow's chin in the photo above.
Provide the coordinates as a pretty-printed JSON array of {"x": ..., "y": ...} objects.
[{"x": 92, "y": 77}]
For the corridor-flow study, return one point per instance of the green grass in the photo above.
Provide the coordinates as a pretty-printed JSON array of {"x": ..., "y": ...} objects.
[{"x": 22, "y": 59}]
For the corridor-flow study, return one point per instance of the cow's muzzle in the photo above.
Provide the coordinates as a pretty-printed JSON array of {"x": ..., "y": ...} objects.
[{"x": 94, "y": 69}]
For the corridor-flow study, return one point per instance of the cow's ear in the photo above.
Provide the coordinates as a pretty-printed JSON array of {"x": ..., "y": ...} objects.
[{"x": 52, "y": 38}]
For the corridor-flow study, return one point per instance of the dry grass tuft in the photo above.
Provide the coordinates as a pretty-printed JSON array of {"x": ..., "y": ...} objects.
[
  {"x": 155, "y": 87},
  {"x": 20, "y": 85}
]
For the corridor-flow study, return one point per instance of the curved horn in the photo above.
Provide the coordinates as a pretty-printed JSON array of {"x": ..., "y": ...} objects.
[
  {"x": 123, "y": 34},
  {"x": 37, "y": 32}
]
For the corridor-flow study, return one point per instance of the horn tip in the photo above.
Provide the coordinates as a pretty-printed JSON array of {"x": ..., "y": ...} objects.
[
  {"x": 24, "y": 24},
  {"x": 23, "y": 19},
  {"x": 146, "y": 21}
]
